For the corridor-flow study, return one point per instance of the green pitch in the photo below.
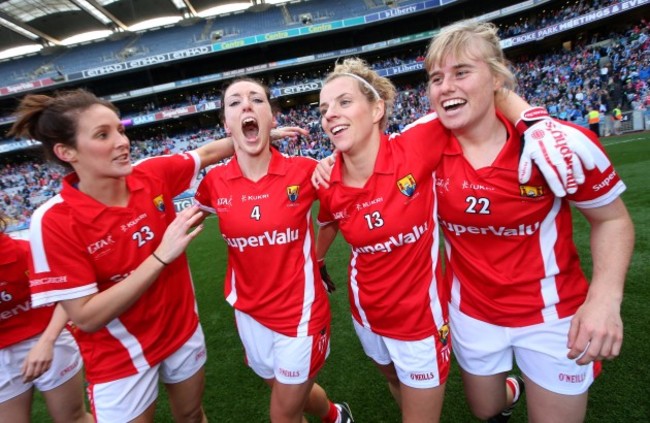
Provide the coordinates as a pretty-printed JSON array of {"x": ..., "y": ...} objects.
[{"x": 235, "y": 394}]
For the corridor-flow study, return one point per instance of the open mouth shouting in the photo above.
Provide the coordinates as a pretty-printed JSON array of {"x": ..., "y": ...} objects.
[{"x": 250, "y": 128}]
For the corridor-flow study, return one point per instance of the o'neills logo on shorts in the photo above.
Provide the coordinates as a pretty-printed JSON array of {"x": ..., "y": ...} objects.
[
  {"x": 289, "y": 373},
  {"x": 571, "y": 378},
  {"x": 423, "y": 376}
]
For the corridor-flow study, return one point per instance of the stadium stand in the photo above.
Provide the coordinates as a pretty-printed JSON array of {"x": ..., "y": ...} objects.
[{"x": 603, "y": 66}]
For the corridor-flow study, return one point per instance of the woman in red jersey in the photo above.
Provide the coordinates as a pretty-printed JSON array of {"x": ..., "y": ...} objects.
[
  {"x": 35, "y": 350},
  {"x": 516, "y": 285},
  {"x": 381, "y": 197},
  {"x": 263, "y": 200},
  {"x": 110, "y": 249}
]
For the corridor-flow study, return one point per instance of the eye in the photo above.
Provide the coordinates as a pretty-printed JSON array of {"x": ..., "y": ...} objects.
[
  {"x": 233, "y": 103},
  {"x": 258, "y": 100},
  {"x": 435, "y": 80},
  {"x": 461, "y": 73}
]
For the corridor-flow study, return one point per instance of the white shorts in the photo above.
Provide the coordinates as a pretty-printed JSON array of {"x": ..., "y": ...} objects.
[
  {"x": 66, "y": 363},
  {"x": 540, "y": 352},
  {"x": 290, "y": 360},
  {"x": 419, "y": 364},
  {"x": 125, "y": 399}
]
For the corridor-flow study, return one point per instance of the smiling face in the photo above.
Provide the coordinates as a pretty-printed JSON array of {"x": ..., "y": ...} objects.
[
  {"x": 102, "y": 148},
  {"x": 461, "y": 91},
  {"x": 348, "y": 118},
  {"x": 248, "y": 117}
]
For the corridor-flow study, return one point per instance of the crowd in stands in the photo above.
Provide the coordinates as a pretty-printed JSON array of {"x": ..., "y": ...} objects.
[
  {"x": 608, "y": 70},
  {"x": 551, "y": 16}
]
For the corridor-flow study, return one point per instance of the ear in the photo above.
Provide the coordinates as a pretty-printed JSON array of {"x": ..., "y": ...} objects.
[
  {"x": 378, "y": 110},
  {"x": 228, "y": 132},
  {"x": 65, "y": 153},
  {"x": 497, "y": 82}
]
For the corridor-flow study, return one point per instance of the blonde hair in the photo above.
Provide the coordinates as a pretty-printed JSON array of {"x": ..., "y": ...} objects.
[
  {"x": 466, "y": 38},
  {"x": 371, "y": 84}
]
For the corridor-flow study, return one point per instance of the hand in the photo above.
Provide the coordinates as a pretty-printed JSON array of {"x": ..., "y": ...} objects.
[
  {"x": 325, "y": 276},
  {"x": 559, "y": 151},
  {"x": 596, "y": 332},
  {"x": 38, "y": 360},
  {"x": 292, "y": 132},
  {"x": 322, "y": 173},
  {"x": 178, "y": 235}
]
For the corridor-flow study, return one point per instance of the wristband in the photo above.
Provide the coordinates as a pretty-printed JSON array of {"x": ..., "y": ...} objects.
[
  {"x": 529, "y": 117},
  {"x": 159, "y": 259}
]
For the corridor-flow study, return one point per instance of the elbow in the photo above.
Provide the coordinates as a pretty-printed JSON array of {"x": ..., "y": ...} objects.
[{"x": 89, "y": 326}]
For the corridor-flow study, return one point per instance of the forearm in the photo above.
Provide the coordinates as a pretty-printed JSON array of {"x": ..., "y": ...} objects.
[
  {"x": 57, "y": 322},
  {"x": 612, "y": 243},
  {"x": 214, "y": 151},
  {"x": 511, "y": 105},
  {"x": 93, "y": 312},
  {"x": 325, "y": 238}
]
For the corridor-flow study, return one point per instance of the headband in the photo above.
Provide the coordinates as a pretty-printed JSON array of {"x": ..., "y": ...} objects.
[{"x": 364, "y": 82}]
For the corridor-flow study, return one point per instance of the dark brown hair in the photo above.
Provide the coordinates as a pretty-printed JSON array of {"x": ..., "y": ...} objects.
[
  {"x": 266, "y": 89},
  {"x": 53, "y": 119}
]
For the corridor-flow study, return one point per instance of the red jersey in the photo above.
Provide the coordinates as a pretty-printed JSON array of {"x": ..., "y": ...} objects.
[
  {"x": 81, "y": 246},
  {"x": 272, "y": 273},
  {"x": 394, "y": 271},
  {"x": 18, "y": 320},
  {"x": 511, "y": 257}
]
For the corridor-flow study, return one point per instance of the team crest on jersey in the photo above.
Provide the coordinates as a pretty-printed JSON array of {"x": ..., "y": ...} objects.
[
  {"x": 159, "y": 202},
  {"x": 407, "y": 185},
  {"x": 444, "y": 334},
  {"x": 531, "y": 191},
  {"x": 292, "y": 193}
]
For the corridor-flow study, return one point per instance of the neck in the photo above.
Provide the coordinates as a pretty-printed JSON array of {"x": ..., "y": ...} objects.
[
  {"x": 358, "y": 165},
  {"x": 482, "y": 143},
  {"x": 254, "y": 167},
  {"x": 111, "y": 192}
]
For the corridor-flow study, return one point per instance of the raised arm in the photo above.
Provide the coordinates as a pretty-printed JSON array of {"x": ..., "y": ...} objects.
[
  {"x": 597, "y": 328},
  {"x": 559, "y": 151}
]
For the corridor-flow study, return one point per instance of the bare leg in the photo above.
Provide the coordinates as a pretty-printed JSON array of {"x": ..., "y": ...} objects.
[
  {"x": 185, "y": 398},
  {"x": 487, "y": 396},
  {"x": 65, "y": 403},
  {"x": 17, "y": 409},
  {"x": 422, "y": 405},
  {"x": 549, "y": 407}
]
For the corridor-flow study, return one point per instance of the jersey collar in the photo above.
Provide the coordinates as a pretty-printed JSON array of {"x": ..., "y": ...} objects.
[
  {"x": 507, "y": 158},
  {"x": 277, "y": 166},
  {"x": 383, "y": 165},
  {"x": 86, "y": 206}
]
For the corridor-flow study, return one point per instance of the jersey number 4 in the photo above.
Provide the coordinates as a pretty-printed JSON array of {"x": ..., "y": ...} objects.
[
  {"x": 479, "y": 205},
  {"x": 255, "y": 213}
]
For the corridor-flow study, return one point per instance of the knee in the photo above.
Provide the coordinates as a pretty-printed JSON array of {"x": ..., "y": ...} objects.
[
  {"x": 191, "y": 415},
  {"x": 484, "y": 413}
]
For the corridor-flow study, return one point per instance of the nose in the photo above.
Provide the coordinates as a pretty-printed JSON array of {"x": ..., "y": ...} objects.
[
  {"x": 447, "y": 85},
  {"x": 330, "y": 112}
]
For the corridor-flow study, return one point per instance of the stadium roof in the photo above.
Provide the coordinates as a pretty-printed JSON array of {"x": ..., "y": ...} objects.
[{"x": 31, "y": 25}]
